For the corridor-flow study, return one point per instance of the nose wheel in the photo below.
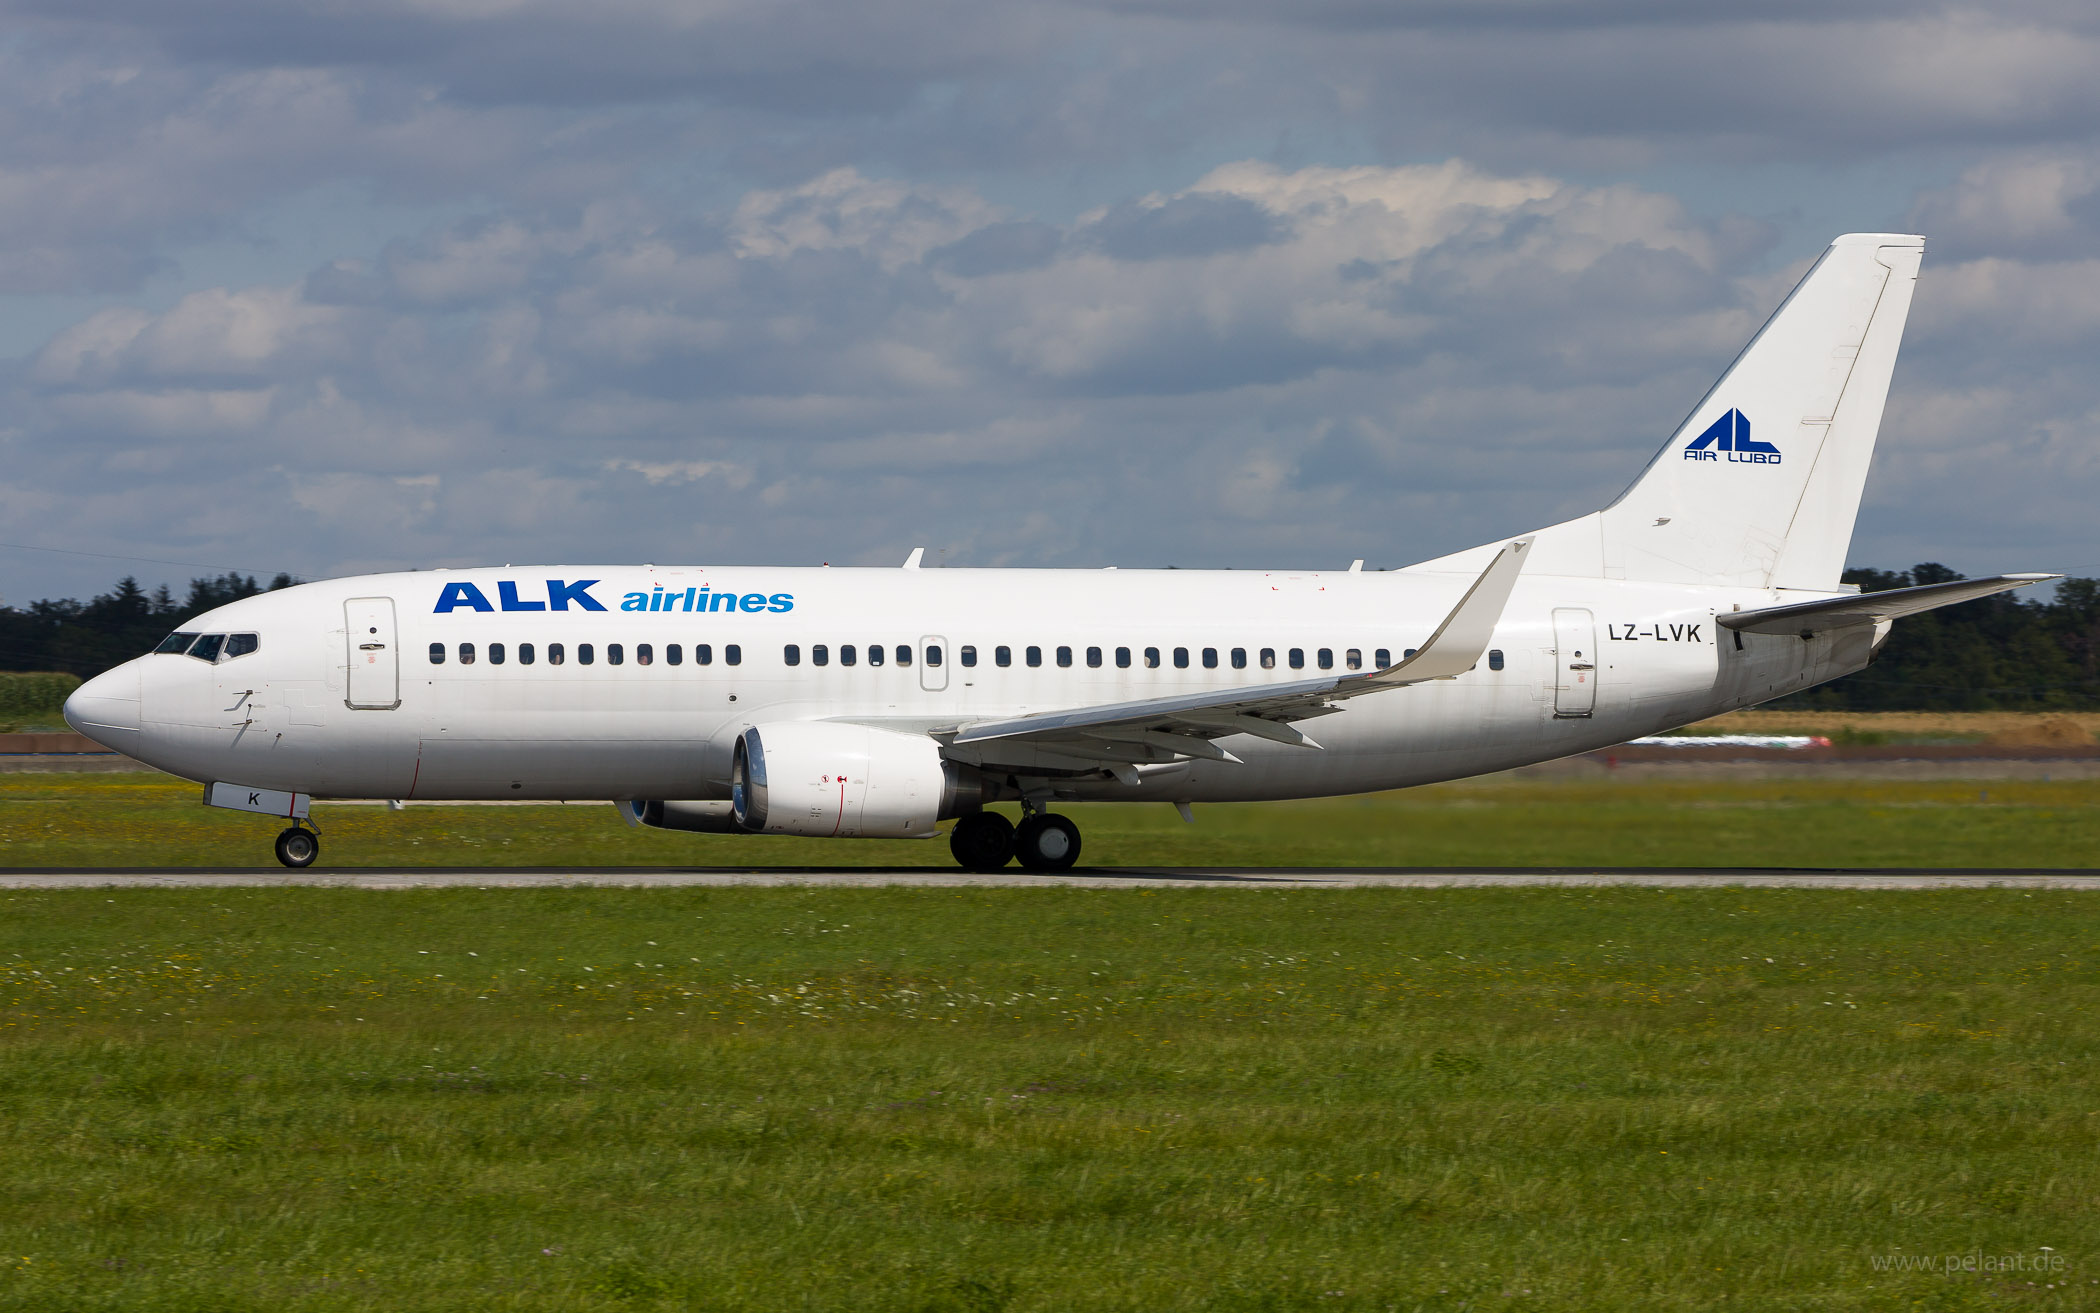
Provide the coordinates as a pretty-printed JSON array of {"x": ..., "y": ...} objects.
[
  {"x": 1047, "y": 842},
  {"x": 297, "y": 848}
]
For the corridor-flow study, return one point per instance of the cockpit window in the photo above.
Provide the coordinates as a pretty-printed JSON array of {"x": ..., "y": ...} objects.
[
  {"x": 240, "y": 645},
  {"x": 207, "y": 647},
  {"x": 176, "y": 643}
]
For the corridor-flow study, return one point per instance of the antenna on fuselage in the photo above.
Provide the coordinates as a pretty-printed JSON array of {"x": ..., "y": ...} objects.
[{"x": 918, "y": 554}]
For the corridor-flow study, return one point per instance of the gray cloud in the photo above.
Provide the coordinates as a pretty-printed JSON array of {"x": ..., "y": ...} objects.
[{"x": 1054, "y": 282}]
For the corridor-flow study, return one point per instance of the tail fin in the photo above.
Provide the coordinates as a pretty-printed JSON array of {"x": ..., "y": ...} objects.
[{"x": 1761, "y": 485}]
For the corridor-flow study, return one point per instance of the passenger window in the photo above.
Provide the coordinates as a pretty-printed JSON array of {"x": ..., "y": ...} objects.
[
  {"x": 585, "y": 654},
  {"x": 792, "y": 654},
  {"x": 820, "y": 654},
  {"x": 1002, "y": 656},
  {"x": 206, "y": 648},
  {"x": 848, "y": 654},
  {"x": 933, "y": 655},
  {"x": 1297, "y": 658},
  {"x": 703, "y": 654},
  {"x": 177, "y": 643},
  {"x": 674, "y": 654},
  {"x": 1122, "y": 658},
  {"x": 1239, "y": 658},
  {"x": 645, "y": 654},
  {"x": 732, "y": 654},
  {"x": 556, "y": 654},
  {"x": 1354, "y": 658},
  {"x": 1494, "y": 658},
  {"x": 1093, "y": 658},
  {"x": 437, "y": 654},
  {"x": 968, "y": 654},
  {"x": 1064, "y": 656},
  {"x": 466, "y": 654},
  {"x": 615, "y": 654},
  {"x": 1210, "y": 658},
  {"x": 495, "y": 654},
  {"x": 1383, "y": 656},
  {"x": 1326, "y": 658},
  {"x": 1035, "y": 656},
  {"x": 240, "y": 645},
  {"x": 1151, "y": 658},
  {"x": 903, "y": 654},
  {"x": 1410, "y": 652},
  {"x": 524, "y": 654},
  {"x": 1181, "y": 658},
  {"x": 1268, "y": 658},
  {"x": 874, "y": 654}
]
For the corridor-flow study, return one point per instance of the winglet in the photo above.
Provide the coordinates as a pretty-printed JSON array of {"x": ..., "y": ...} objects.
[
  {"x": 1459, "y": 642},
  {"x": 918, "y": 554}
]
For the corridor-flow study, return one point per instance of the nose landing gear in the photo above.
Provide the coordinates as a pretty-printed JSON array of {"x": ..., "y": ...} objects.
[{"x": 298, "y": 847}]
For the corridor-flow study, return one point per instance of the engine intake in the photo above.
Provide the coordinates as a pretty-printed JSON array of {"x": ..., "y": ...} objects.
[{"x": 832, "y": 780}]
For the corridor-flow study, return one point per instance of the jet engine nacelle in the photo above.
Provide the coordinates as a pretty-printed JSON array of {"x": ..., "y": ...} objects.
[
  {"x": 833, "y": 780},
  {"x": 704, "y": 817}
]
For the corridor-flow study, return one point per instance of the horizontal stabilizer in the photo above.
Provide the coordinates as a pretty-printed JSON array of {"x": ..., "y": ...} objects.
[{"x": 1806, "y": 618}]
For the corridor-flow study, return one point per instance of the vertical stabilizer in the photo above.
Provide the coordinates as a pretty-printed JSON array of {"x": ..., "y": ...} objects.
[{"x": 1761, "y": 485}]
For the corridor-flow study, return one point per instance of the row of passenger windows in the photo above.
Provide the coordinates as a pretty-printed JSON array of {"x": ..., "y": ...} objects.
[
  {"x": 1352, "y": 658},
  {"x": 587, "y": 654},
  {"x": 820, "y": 654},
  {"x": 209, "y": 647}
]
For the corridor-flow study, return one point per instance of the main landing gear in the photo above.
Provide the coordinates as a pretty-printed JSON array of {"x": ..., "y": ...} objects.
[
  {"x": 297, "y": 847},
  {"x": 987, "y": 841}
]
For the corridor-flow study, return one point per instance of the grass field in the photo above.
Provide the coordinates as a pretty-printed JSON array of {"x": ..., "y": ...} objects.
[
  {"x": 142, "y": 820},
  {"x": 922, "y": 1101}
]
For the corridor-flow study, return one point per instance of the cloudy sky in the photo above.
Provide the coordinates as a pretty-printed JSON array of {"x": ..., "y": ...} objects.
[{"x": 328, "y": 287}]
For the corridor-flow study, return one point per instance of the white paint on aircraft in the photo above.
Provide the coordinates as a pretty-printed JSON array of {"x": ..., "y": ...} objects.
[{"x": 863, "y": 702}]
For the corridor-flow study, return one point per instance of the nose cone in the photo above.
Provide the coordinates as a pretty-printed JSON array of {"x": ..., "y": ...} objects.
[{"x": 106, "y": 709}]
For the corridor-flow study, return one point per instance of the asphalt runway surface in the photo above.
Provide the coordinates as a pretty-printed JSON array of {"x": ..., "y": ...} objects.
[{"x": 1126, "y": 877}]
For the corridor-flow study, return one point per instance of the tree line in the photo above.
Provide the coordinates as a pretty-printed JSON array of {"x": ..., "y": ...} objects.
[
  {"x": 2002, "y": 653},
  {"x": 87, "y": 638}
]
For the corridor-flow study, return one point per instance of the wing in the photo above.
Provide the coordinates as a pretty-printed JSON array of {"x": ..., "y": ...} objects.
[
  {"x": 1809, "y": 618},
  {"x": 1119, "y": 736}
]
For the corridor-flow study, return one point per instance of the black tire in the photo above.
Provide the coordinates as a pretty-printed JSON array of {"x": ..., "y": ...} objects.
[
  {"x": 1047, "y": 843},
  {"x": 982, "y": 841},
  {"x": 298, "y": 848}
]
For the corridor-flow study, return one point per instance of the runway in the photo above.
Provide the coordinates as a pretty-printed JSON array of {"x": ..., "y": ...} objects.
[{"x": 1133, "y": 877}]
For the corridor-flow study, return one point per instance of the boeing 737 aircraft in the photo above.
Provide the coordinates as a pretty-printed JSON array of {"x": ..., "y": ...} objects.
[{"x": 880, "y": 703}]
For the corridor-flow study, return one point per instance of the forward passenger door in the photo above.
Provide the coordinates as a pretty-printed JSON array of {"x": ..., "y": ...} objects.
[{"x": 375, "y": 657}]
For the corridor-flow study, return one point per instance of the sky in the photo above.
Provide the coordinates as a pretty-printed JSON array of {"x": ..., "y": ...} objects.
[{"x": 328, "y": 287}]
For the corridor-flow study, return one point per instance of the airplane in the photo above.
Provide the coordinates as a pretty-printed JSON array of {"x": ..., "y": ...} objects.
[{"x": 860, "y": 703}]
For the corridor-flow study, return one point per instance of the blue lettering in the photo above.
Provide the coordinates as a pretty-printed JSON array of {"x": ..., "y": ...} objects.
[
  {"x": 722, "y": 602},
  {"x": 782, "y": 602},
  {"x": 507, "y": 593},
  {"x": 688, "y": 599},
  {"x": 559, "y": 595},
  {"x": 635, "y": 602},
  {"x": 460, "y": 594},
  {"x": 752, "y": 602}
]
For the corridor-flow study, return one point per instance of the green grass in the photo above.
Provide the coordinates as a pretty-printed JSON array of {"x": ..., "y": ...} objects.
[
  {"x": 143, "y": 820},
  {"x": 911, "y": 1100}
]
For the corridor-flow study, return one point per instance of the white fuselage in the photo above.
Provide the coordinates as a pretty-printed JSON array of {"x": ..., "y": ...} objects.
[{"x": 334, "y": 706}]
